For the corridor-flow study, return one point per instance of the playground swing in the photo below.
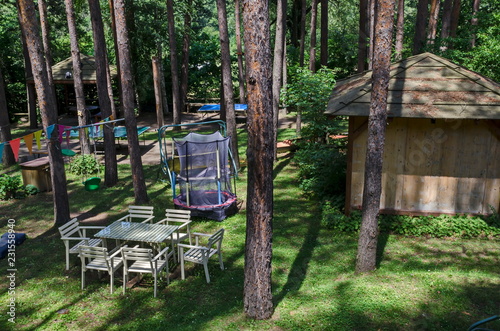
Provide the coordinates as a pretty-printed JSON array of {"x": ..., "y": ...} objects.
[{"x": 200, "y": 170}]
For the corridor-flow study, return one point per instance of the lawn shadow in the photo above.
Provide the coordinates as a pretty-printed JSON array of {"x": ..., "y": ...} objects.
[
  {"x": 298, "y": 269},
  {"x": 381, "y": 244},
  {"x": 282, "y": 163}
]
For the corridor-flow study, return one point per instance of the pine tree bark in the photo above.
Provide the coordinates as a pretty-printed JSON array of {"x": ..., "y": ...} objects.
[
  {"x": 140, "y": 192},
  {"x": 176, "y": 111},
  {"x": 474, "y": 21},
  {"x": 398, "y": 48},
  {"x": 185, "y": 56},
  {"x": 279, "y": 52},
  {"x": 303, "y": 14},
  {"x": 5, "y": 134},
  {"x": 371, "y": 46},
  {"x": 102, "y": 76},
  {"x": 77, "y": 76},
  {"x": 419, "y": 36},
  {"x": 367, "y": 244},
  {"x": 446, "y": 19},
  {"x": 117, "y": 55},
  {"x": 257, "y": 296},
  {"x": 239, "y": 51},
  {"x": 158, "y": 94},
  {"x": 364, "y": 34},
  {"x": 433, "y": 19},
  {"x": 45, "y": 30},
  {"x": 227, "y": 81},
  {"x": 312, "y": 38},
  {"x": 455, "y": 17},
  {"x": 48, "y": 110},
  {"x": 324, "y": 33}
]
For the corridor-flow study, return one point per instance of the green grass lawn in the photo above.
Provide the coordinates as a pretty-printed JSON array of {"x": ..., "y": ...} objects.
[{"x": 427, "y": 284}]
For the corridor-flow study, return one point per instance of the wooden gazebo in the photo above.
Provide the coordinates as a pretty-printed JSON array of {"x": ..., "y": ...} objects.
[
  {"x": 62, "y": 73},
  {"x": 442, "y": 147}
]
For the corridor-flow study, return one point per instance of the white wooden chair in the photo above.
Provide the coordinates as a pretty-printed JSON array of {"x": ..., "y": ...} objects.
[
  {"x": 72, "y": 231},
  {"x": 141, "y": 260},
  {"x": 141, "y": 213},
  {"x": 181, "y": 218},
  {"x": 99, "y": 259},
  {"x": 201, "y": 253}
]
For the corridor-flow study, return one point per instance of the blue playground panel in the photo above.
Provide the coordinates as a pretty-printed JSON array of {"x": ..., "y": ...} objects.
[
  {"x": 119, "y": 131},
  {"x": 215, "y": 108}
]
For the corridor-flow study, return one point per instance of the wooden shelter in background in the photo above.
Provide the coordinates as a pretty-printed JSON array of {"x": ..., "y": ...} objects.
[
  {"x": 62, "y": 73},
  {"x": 442, "y": 146}
]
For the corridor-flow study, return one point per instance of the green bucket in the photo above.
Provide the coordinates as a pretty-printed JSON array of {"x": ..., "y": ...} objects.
[
  {"x": 68, "y": 152},
  {"x": 92, "y": 184}
]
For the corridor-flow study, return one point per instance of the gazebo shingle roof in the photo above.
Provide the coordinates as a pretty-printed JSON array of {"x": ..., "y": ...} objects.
[
  {"x": 60, "y": 69},
  {"x": 422, "y": 86}
]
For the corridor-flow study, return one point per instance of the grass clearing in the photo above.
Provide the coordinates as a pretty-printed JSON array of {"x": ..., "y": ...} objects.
[{"x": 430, "y": 284}]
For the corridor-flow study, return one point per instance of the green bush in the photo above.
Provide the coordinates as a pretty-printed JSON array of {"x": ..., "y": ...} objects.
[
  {"x": 9, "y": 186},
  {"x": 321, "y": 169},
  {"x": 456, "y": 226},
  {"x": 31, "y": 189},
  {"x": 85, "y": 165}
]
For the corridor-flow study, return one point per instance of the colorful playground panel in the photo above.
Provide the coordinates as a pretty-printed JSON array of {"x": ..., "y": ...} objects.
[{"x": 216, "y": 107}]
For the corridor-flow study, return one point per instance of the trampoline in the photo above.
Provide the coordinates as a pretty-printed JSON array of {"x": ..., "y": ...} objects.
[{"x": 205, "y": 169}]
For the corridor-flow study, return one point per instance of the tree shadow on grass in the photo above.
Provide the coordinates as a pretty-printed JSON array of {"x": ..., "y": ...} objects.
[
  {"x": 298, "y": 270},
  {"x": 381, "y": 244}
]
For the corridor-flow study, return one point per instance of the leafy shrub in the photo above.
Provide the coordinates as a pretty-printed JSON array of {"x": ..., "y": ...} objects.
[
  {"x": 309, "y": 93},
  {"x": 321, "y": 169},
  {"x": 31, "y": 189},
  {"x": 9, "y": 186},
  {"x": 457, "y": 226},
  {"x": 84, "y": 165}
]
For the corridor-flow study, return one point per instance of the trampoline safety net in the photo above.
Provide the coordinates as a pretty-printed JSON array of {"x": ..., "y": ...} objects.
[{"x": 204, "y": 179}]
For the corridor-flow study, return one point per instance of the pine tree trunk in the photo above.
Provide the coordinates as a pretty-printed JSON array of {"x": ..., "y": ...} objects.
[
  {"x": 303, "y": 14},
  {"x": 157, "y": 87},
  {"x": 419, "y": 36},
  {"x": 474, "y": 21},
  {"x": 44, "y": 27},
  {"x": 173, "y": 63},
  {"x": 279, "y": 45},
  {"x": 117, "y": 55},
  {"x": 364, "y": 34},
  {"x": 227, "y": 81},
  {"x": 77, "y": 76},
  {"x": 5, "y": 134},
  {"x": 371, "y": 15},
  {"x": 48, "y": 110},
  {"x": 398, "y": 49},
  {"x": 455, "y": 17},
  {"x": 324, "y": 33},
  {"x": 446, "y": 21},
  {"x": 367, "y": 244},
  {"x": 185, "y": 57},
  {"x": 433, "y": 19},
  {"x": 239, "y": 51},
  {"x": 111, "y": 168},
  {"x": 140, "y": 192},
  {"x": 257, "y": 294},
  {"x": 312, "y": 48}
]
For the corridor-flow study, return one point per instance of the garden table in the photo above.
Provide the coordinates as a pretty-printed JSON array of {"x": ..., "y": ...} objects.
[{"x": 154, "y": 234}]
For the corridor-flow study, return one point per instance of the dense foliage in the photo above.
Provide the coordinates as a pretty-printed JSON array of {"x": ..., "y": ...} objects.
[
  {"x": 456, "y": 226},
  {"x": 149, "y": 37}
]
